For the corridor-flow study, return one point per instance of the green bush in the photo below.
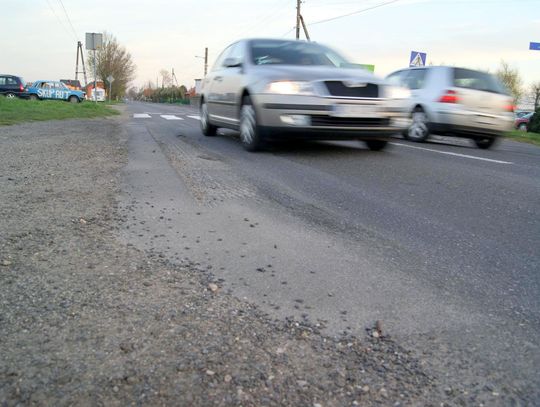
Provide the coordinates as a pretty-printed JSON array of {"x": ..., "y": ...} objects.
[{"x": 534, "y": 123}]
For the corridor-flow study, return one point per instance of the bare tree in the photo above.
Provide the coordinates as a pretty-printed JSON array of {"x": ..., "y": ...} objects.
[
  {"x": 132, "y": 93},
  {"x": 511, "y": 79},
  {"x": 535, "y": 94},
  {"x": 114, "y": 60},
  {"x": 166, "y": 78}
]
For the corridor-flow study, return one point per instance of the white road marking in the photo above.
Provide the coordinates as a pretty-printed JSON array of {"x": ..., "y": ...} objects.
[
  {"x": 141, "y": 116},
  {"x": 454, "y": 154},
  {"x": 170, "y": 117},
  {"x": 196, "y": 117}
]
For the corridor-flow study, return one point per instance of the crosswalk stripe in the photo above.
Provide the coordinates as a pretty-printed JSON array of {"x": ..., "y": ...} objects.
[
  {"x": 141, "y": 116},
  {"x": 170, "y": 117},
  {"x": 196, "y": 117}
]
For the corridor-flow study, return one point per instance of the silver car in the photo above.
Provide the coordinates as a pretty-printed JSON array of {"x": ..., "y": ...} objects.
[
  {"x": 456, "y": 102},
  {"x": 280, "y": 89}
]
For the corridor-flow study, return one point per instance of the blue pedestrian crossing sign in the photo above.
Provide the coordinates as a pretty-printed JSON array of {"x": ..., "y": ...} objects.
[
  {"x": 535, "y": 46},
  {"x": 417, "y": 58}
]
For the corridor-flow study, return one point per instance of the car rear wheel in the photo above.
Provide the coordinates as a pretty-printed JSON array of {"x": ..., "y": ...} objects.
[
  {"x": 33, "y": 97},
  {"x": 207, "y": 128},
  {"x": 485, "y": 143},
  {"x": 73, "y": 99},
  {"x": 250, "y": 132},
  {"x": 10, "y": 95},
  {"x": 376, "y": 145},
  {"x": 522, "y": 127},
  {"x": 418, "y": 130}
]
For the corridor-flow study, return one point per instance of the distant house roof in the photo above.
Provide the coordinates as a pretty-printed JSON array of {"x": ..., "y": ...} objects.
[{"x": 99, "y": 84}]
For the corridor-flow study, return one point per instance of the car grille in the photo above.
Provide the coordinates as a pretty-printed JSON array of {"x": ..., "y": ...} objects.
[
  {"x": 329, "y": 121},
  {"x": 338, "y": 88}
]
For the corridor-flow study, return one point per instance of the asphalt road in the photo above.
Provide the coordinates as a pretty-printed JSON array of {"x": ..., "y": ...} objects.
[{"x": 439, "y": 241}]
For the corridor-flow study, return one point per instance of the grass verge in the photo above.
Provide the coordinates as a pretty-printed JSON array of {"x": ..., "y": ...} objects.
[
  {"x": 526, "y": 137},
  {"x": 14, "y": 111}
]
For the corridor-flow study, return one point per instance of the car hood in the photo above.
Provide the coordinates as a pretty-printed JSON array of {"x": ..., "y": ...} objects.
[{"x": 311, "y": 73}]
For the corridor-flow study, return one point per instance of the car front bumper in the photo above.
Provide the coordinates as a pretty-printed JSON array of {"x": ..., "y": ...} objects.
[{"x": 313, "y": 117}]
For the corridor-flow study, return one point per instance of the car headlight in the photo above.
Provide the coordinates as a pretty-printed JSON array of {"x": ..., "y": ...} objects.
[
  {"x": 396, "y": 92},
  {"x": 290, "y": 88}
]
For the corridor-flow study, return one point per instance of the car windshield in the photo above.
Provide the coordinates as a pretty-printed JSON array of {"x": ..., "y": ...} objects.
[{"x": 276, "y": 52}]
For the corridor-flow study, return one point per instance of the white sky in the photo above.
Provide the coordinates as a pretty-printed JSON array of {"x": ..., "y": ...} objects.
[{"x": 38, "y": 42}]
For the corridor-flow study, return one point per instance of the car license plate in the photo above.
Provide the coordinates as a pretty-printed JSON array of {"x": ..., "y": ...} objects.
[{"x": 354, "y": 111}]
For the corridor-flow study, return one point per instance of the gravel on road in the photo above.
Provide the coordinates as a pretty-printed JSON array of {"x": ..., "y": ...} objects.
[{"x": 88, "y": 320}]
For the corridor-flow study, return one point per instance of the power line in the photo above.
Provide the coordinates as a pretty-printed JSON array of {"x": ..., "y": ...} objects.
[
  {"x": 354, "y": 12},
  {"x": 288, "y": 32},
  {"x": 69, "y": 20},
  {"x": 259, "y": 21},
  {"x": 58, "y": 18}
]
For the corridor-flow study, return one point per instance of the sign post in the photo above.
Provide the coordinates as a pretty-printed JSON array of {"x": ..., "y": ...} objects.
[
  {"x": 417, "y": 59},
  {"x": 110, "y": 79},
  {"x": 93, "y": 42}
]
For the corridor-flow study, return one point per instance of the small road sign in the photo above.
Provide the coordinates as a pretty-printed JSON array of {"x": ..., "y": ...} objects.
[
  {"x": 534, "y": 46},
  {"x": 417, "y": 58},
  {"x": 110, "y": 79}
]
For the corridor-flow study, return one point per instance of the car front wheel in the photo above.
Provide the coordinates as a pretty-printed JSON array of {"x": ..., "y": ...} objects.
[
  {"x": 10, "y": 95},
  {"x": 418, "y": 130},
  {"x": 250, "y": 132},
  {"x": 207, "y": 128},
  {"x": 33, "y": 97},
  {"x": 73, "y": 99},
  {"x": 523, "y": 127}
]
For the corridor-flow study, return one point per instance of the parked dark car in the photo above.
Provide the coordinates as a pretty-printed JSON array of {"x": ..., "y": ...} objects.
[{"x": 11, "y": 85}]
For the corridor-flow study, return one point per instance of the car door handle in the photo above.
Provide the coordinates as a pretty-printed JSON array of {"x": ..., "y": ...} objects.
[{"x": 218, "y": 78}]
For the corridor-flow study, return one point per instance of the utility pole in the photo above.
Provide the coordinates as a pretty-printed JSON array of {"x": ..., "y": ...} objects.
[
  {"x": 94, "y": 92},
  {"x": 304, "y": 26},
  {"x": 298, "y": 2},
  {"x": 93, "y": 42},
  {"x": 80, "y": 51},
  {"x": 205, "y": 60},
  {"x": 175, "y": 80}
]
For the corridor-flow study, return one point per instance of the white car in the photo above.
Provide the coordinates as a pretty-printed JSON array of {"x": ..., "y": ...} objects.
[{"x": 457, "y": 102}]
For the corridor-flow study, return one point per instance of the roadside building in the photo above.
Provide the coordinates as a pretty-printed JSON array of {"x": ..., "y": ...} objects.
[{"x": 99, "y": 93}]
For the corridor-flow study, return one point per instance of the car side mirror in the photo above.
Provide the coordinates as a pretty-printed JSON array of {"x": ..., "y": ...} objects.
[{"x": 232, "y": 62}]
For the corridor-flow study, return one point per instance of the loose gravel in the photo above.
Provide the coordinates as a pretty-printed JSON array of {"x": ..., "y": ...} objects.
[{"x": 88, "y": 320}]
